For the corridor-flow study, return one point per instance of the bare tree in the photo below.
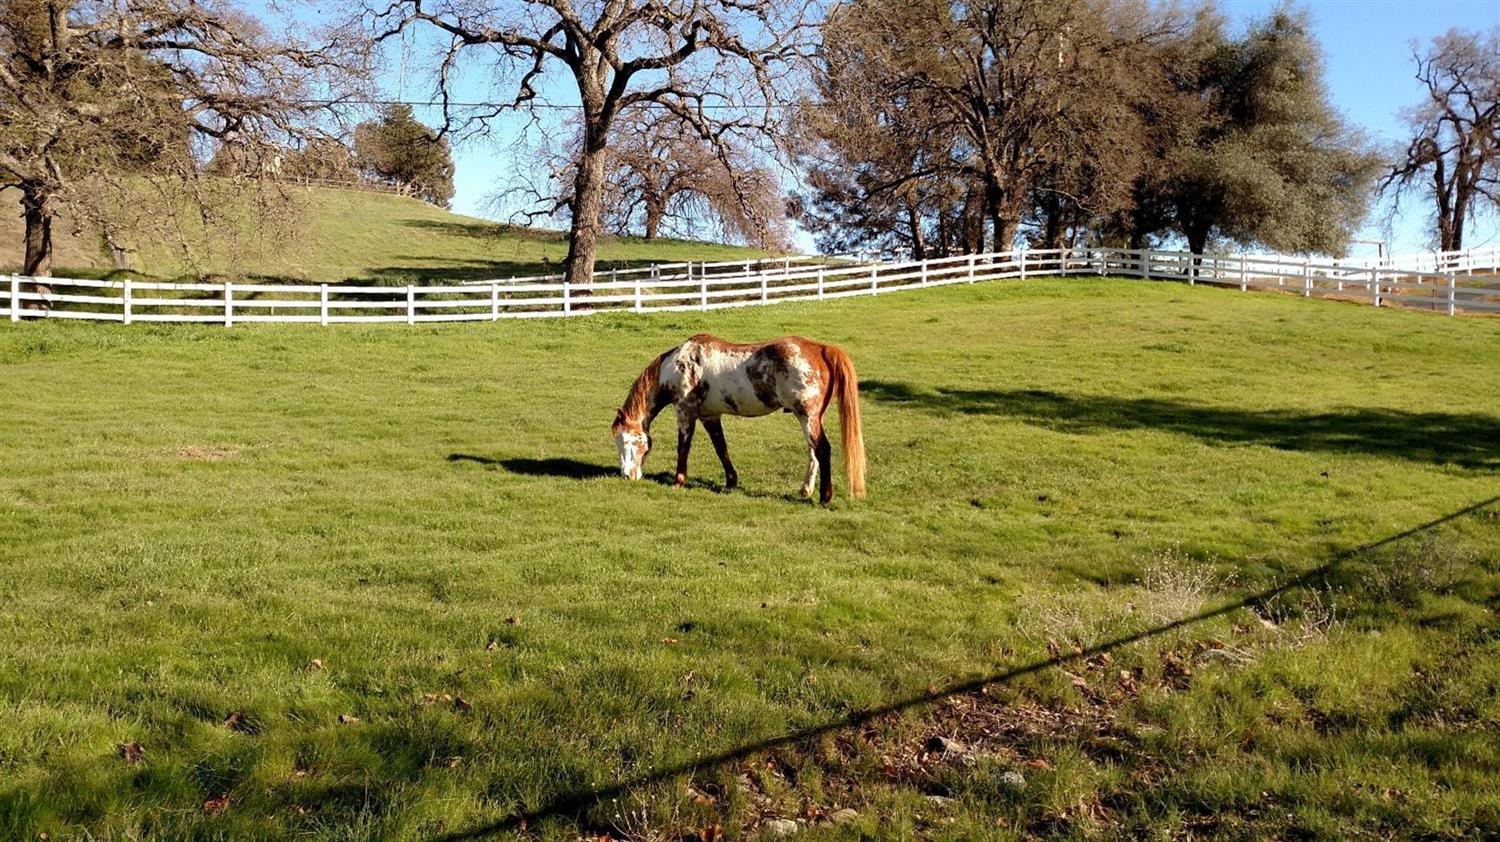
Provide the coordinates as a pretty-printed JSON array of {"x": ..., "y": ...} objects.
[
  {"x": 1454, "y": 153},
  {"x": 714, "y": 64},
  {"x": 95, "y": 93},
  {"x": 661, "y": 177}
]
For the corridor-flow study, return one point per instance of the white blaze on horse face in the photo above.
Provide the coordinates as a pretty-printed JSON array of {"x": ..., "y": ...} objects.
[{"x": 632, "y": 447}]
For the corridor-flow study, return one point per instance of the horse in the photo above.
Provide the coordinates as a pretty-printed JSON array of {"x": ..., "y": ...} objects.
[{"x": 706, "y": 378}]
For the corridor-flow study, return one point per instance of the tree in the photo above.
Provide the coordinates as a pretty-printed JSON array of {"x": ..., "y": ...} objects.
[
  {"x": 710, "y": 63},
  {"x": 1004, "y": 96},
  {"x": 321, "y": 159},
  {"x": 1454, "y": 153},
  {"x": 94, "y": 94},
  {"x": 662, "y": 176},
  {"x": 1265, "y": 159},
  {"x": 398, "y": 150}
]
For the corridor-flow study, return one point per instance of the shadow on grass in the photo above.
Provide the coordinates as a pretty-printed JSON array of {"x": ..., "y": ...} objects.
[
  {"x": 1465, "y": 439},
  {"x": 560, "y": 467},
  {"x": 574, "y": 804}
]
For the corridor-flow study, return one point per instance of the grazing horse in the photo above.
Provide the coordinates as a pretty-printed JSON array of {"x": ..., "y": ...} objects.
[{"x": 706, "y": 377}]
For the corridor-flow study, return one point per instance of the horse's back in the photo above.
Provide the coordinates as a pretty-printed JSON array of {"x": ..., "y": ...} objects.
[{"x": 714, "y": 377}]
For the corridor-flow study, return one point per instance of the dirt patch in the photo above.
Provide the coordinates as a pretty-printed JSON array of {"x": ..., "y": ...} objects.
[{"x": 204, "y": 453}]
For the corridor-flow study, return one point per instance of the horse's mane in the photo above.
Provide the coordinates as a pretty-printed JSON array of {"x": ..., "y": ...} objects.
[{"x": 642, "y": 398}]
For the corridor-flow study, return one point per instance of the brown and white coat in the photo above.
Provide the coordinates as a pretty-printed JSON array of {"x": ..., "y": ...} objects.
[{"x": 706, "y": 378}]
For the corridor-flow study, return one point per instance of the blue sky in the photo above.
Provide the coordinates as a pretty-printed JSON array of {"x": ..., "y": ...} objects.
[{"x": 1368, "y": 67}]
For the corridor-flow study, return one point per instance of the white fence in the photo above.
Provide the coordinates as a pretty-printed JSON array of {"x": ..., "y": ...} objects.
[{"x": 1461, "y": 287}]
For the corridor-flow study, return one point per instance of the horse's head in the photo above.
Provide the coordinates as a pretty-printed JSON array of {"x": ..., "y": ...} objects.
[{"x": 633, "y": 442}]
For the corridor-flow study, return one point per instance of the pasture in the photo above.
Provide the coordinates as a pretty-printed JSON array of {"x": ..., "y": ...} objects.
[{"x": 382, "y": 582}]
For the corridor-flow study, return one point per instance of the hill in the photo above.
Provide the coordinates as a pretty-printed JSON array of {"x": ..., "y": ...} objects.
[{"x": 333, "y": 235}]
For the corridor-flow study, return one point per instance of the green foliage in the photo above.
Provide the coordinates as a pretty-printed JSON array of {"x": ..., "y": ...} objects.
[
  {"x": 399, "y": 150},
  {"x": 218, "y": 542},
  {"x": 1268, "y": 161}
]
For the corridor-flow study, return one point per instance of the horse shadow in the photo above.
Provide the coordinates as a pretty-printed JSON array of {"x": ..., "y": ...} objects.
[
  {"x": 559, "y": 467},
  {"x": 562, "y": 467}
]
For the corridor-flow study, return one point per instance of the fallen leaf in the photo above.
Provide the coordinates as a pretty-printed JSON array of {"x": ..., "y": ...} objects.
[
  {"x": 234, "y": 720},
  {"x": 132, "y": 752},
  {"x": 216, "y": 805},
  {"x": 1038, "y": 763},
  {"x": 492, "y": 646},
  {"x": 453, "y": 761},
  {"x": 670, "y": 641},
  {"x": 346, "y": 719},
  {"x": 315, "y": 664},
  {"x": 513, "y": 621},
  {"x": 460, "y": 703}
]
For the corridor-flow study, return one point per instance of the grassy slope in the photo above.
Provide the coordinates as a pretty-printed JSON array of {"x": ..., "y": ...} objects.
[
  {"x": 192, "y": 516},
  {"x": 341, "y": 235}
]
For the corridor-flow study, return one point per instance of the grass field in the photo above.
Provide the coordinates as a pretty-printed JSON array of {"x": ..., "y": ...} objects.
[
  {"x": 380, "y": 583},
  {"x": 336, "y": 235}
]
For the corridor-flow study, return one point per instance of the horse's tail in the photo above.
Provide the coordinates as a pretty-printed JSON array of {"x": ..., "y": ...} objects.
[{"x": 846, "y": 389}]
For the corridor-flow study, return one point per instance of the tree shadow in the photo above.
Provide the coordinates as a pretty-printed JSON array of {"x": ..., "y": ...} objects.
[
  {"x": 481, "y": 230},
  {"x": 574, "y": 804},
  {"x": 1469, "y": 440}
]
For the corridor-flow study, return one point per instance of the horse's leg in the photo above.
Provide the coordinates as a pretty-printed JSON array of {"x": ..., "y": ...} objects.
[
  {"x": 812, "y": 428},
  {"x": 686, "y": 422},
  {"x": 824, "y": 454},
  {"x": 715, "y": 429}
]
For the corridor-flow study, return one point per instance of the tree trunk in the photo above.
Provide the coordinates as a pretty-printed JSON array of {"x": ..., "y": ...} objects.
[
  {"x": 655, "y": 212},
  {"x": 588, "y": 203},
  {"x": 1197, "y": 236},
  {"x": 38, "y": 207},
  {"x": 918, "y": 237},
  {"x": 1052, "y": 227}
]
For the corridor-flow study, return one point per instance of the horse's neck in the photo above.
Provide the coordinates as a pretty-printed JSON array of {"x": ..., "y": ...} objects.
[{"x": 642, "y": 404}]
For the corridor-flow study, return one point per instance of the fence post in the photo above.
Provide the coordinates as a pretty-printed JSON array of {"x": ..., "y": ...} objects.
[
  {"x": 15, "y": 298},
  {"x": 971, "y": 269},
  {"x": 323, "y": 304},
  {"x": 1023, "y": 264},
  {"x": 567, "y": 291},
  {"x": 1243, "y": 283},
  {"x": 875, "y": 283},
  {"x": 1452, "y": 294},
  {"x": 125, "y": 307},
  {"x": 638, "y": 293},
  {"x": 1375, "y": 285},
  {"x": 1192, "y": 269},
  {"x": 494, "y": 301},
  {"x": 765, "y": 292},
  {"x": 1306, "y": 277},
  {"x": 228, "y": 304},
  {"x": 820, "y": 281},
  {"x": 411, "y": 304}
]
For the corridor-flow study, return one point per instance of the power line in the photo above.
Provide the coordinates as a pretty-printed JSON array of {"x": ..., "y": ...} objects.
[{"x": 533, "y": 104}]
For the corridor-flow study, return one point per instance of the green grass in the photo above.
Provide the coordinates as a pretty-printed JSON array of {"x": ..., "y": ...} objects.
[
  {"x": 218, "y": 543},
  {"x": 336, "y": 235}
]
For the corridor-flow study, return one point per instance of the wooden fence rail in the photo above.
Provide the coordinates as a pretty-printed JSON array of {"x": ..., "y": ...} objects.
[{"x": 1460, "y": 285}]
